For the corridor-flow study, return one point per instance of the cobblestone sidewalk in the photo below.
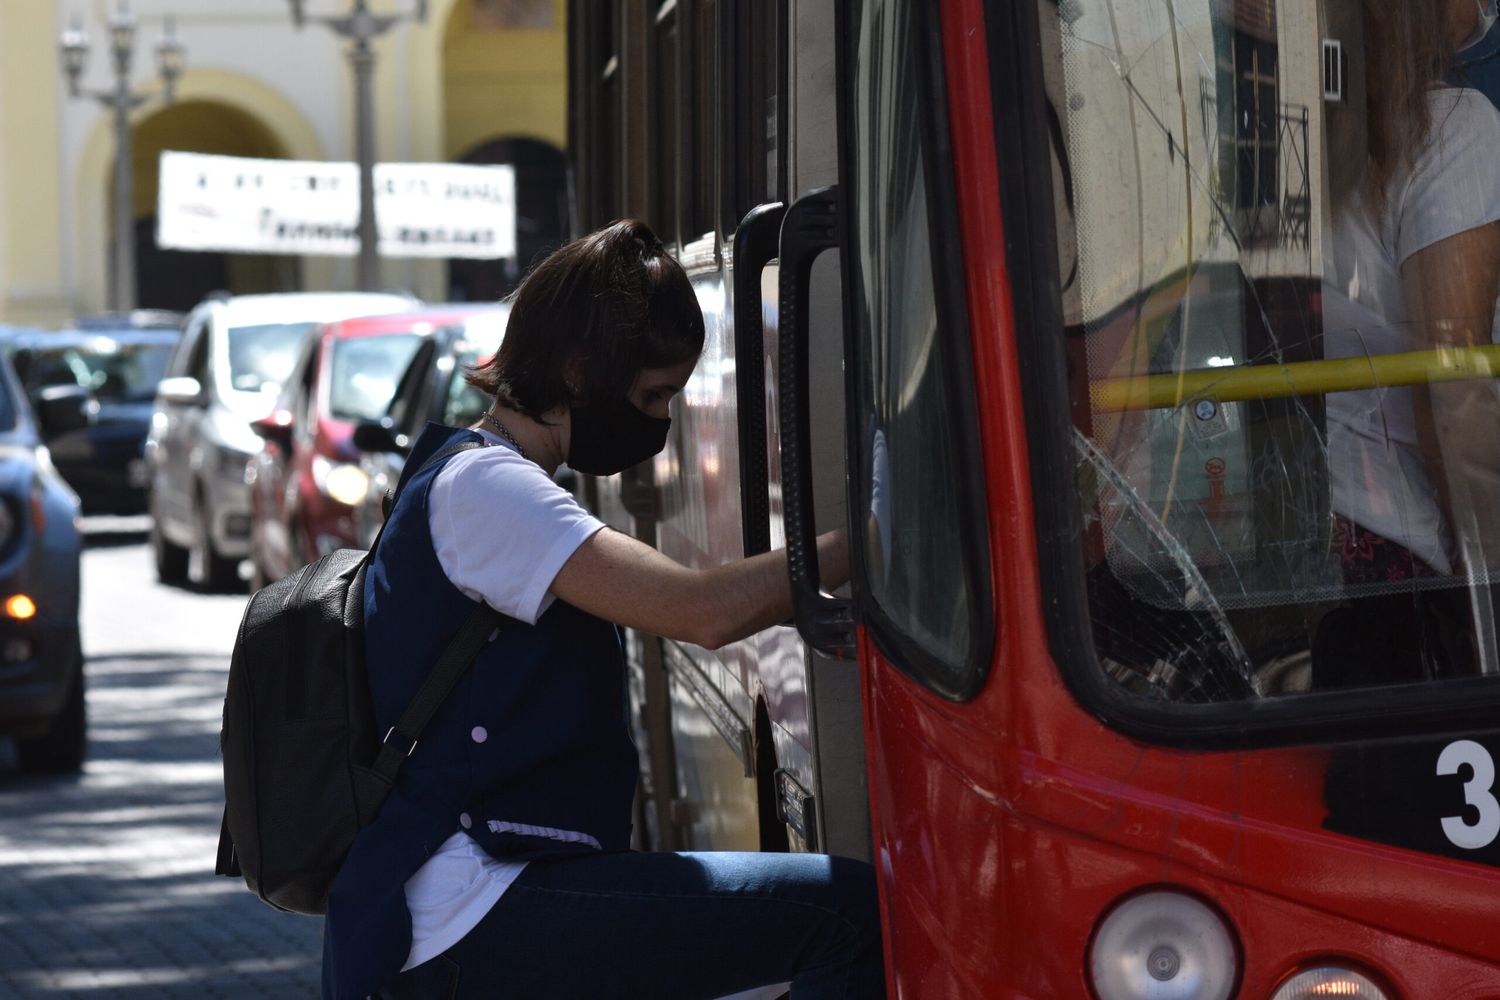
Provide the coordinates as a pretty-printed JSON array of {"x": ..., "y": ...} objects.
[{"x": 106, "y": 883}]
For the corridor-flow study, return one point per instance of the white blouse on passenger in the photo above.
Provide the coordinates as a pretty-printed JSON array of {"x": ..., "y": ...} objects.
[{"x": 1378, "y": 478}]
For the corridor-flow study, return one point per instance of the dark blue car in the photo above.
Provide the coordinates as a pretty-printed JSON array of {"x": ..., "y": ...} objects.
[
  {"x": 41, "y": 660},
  {"x": 117, "y": 367}
]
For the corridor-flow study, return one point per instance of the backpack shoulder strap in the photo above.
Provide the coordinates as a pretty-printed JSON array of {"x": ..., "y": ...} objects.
[
  {"x": 227, "y": 862},
  {"x": 483, "y": 623},
  {"x": 401, "y": 739}
]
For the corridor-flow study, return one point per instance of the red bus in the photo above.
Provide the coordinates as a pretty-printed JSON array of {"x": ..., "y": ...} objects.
[{"x": 1168, "y": 665}]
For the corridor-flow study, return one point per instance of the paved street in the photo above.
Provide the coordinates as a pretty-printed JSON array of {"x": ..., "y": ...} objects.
[{"x": 106, "y": 880}]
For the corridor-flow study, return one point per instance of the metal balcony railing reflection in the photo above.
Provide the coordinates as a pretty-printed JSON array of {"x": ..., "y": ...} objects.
[{"x": 1264, "y": 189}]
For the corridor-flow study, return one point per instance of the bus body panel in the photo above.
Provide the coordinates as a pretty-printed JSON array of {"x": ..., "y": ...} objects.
[
  {"x": 989, "y": 854},
  {"x": 713, "y": 692},
  {"x": 715, "y": 807}
]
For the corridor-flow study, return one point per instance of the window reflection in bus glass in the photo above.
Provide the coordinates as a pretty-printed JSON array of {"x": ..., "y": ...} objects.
[
  {"x": 668, "y": 124},
  {"x": 919, "y": 569},
  {"x": 1279, "y": 275}
]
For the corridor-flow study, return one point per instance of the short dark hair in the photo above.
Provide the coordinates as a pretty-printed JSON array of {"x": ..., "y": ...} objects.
[{"x": 589, "y": 318}]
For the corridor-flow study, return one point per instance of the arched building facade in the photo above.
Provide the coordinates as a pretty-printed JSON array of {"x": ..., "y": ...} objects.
[{"x": 479, "y": 81}]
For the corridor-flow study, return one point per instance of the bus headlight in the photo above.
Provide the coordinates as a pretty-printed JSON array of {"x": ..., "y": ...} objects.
[
  {"x": 1162, "y": 946},
  {"x": 1329, "y": 981}
]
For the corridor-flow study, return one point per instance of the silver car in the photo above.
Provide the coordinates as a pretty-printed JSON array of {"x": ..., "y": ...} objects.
[{"x": 226, "y": 373}]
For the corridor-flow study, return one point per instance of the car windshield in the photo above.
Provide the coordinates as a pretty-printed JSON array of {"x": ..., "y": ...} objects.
[
  {"x": 465, "y": 404},
  {"x": 261, "y": 357},
  {"x": 364, "y": 371},
  {"x": 114, "y": 373}
]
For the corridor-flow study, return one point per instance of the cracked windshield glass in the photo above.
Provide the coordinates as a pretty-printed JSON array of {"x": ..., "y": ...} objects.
[{"x": 1278, "y": 254}]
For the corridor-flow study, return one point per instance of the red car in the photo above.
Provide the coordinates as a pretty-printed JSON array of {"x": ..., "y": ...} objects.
[{"x": 306, "y": 480}]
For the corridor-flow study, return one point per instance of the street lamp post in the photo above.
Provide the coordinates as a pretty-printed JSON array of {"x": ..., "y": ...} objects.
[
  {"x": 362, "y": 26},
  {"x": 122, "y": 100}
]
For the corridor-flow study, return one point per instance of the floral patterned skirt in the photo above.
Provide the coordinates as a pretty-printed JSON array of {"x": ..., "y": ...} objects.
[{"x": 1370, "y": 558}]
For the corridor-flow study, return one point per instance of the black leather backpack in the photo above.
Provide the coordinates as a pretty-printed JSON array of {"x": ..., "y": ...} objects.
[{"x": 304, "y": 769}]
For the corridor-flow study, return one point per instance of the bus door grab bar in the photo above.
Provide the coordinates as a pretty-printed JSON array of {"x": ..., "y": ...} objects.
[
  {"x": 754, "y": 247},
  {"x": 810, "y": 227}
]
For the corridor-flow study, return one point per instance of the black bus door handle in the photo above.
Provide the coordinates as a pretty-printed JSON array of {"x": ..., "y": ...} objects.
[
  {"x": 754, "y": 248},
  {"x": 810, "y": 227}
]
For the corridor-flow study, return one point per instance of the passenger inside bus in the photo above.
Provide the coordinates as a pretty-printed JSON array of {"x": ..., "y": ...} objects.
[
  {"x": 1279, "y": 252},
  {"x": 1413, "y": 264}
]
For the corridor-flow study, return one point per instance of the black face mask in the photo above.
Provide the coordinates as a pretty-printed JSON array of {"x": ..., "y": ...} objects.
[{"x": 612, "y": 437}]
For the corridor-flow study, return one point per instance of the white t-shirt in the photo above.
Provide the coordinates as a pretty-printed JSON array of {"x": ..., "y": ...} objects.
[
  {"x": 502, "y": 530},
  {"x": 1378, "y": 478}
]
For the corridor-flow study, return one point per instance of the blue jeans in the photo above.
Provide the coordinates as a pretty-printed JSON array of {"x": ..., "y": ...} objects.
[{"x": 668, "y": 927}]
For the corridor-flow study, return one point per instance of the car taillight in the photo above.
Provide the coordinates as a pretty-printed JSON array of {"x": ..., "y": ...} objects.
[
  {"x": 1327, "y": 982},
  {"x": 1162, "y": 945}
]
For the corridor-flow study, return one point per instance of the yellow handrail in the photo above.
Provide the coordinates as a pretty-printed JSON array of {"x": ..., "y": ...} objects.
[{"x": 1295, "y": 378}]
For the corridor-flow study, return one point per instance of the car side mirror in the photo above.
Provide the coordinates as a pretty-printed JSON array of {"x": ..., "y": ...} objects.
[
  {"x": 64, "y": 408},
  {"x": 377, "y": 436},
  {"x": 275, "y": 427},
  {"x": 184, "y": 390}
]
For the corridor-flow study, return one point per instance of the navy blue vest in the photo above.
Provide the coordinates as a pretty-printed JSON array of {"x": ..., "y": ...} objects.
[{"x": 531, "y": 754}]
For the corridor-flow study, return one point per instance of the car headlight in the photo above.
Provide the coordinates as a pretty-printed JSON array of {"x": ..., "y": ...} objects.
[
  {"x": 339, "y": 481},
  {"x": 1162, "y": 946},
  {"x": 1327, "y": 981}
]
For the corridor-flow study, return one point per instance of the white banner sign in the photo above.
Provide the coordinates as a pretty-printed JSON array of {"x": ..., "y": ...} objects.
[{"x": 242, "y": 205}]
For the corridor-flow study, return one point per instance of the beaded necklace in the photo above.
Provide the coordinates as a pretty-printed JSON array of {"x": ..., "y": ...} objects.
[{"x": 505, "y": 433}]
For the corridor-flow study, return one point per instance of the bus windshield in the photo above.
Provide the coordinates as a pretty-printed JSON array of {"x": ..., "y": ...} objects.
[{"x": 1279, "y": 250}]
